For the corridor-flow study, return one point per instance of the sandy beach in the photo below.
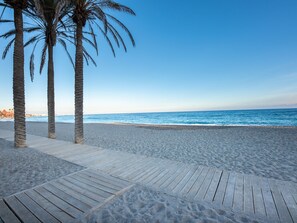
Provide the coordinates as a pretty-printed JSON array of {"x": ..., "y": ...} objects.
[
  {"x": 26, "y": 168},
  {"x": 142, "y": 204},
  {"x": 263, "y": 151}
]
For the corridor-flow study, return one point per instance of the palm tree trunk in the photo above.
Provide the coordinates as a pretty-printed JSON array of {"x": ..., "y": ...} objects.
[
  {"x": 51, "y": 93},
  {"x": 79, "y": 128},
  {"x": 19, "y": 82}
]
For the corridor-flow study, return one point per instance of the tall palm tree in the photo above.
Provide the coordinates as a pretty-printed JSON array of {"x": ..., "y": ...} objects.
[
  {"x": 91, "y": 12},
  {"x": 18, "y": 72},
  {"x": 48, "y": 16}
]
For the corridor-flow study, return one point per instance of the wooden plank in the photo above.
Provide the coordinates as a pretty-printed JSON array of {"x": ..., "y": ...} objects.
[
  {"x": 53, "y": 146},
  {"x": 184, "y": 180},
  {"x": 38, "y": 142},
  {"x": 107, "y": 178},
  {"x": 166, "y": 178},
  {"x": 213, "y": 186},
  {"x": 20, "y": 210},
  {"x": 116, "y": 160},
  {"x": 93, "y": 161},
  {"x": 144, "y": 171},
  {"x": 133, "y": 170},
  {"x": 238, "y": 193},
  {"x": 113, "y": 187},
  {"x": 129, "y": 166},
  {"x": 179, "y": 167},
  {"x": 163, "y": 173},
  {"x": 34, "y": 208},
  {"x": 109, "y": 164},
  {"x": 82, "y": 156},
  {"x": 195, "y": 188},
  {"x": 153, "y": 176},
  {"x": 42, "y": 142},
  {"x": 121, "y": 162},
  {"x": 205, "y": 185},
  {"x": 268, "y": 199},
  {"x": 72, "y": 150},
  {"x": 220, "y": 193},
  {"x": 185, "y": 190},
  {"x": 107, "y": 161},
  {"x": 49, "y": 207},
  {"x": 229, "y": 193},
  {"x": 291, "y": 204},
  {"x": 179, "y": 178},
  {"x": 6, "y": 214},
  {"x": 97, "y": 185},
  {"x": 69, "y": 209},
  {"x": 87, "y": 187},
  {"x": 258, "y": 197},
  {"x": 281, "y": 206},
  {"x": 140, "y": 173},
  {"x": 77, "y": 203},
  {"x": 248, "y": 204},
  {"x": 75, "y": 194},
  {"x": 149, "y": 174},
  {"x": 171, "y": 170}
]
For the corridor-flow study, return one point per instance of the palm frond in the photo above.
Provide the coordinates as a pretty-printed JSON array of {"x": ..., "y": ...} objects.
[
  {"x": 116, "y": 6},
  {"x": 87, "y": 55},
  {"x": 8, "y": 46},
  {"x": 32, "y": 40},
  {"x": 108, "y": 41},
  {"x": 123, "y": 27},
  {"x": 32, "y": 64},
  {"x": 5, "y": 20},
  {"x": 43, "y": 58},
  {"x": 64, "y": 45},
  {"x": 94, "y": 38}
]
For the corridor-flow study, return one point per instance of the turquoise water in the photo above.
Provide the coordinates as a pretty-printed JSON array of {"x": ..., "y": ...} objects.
[{"x": 267, "y": 117}]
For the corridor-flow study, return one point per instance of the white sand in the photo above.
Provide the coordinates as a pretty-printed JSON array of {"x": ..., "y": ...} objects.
[
  {"x": 141, "y": 204},
  {"x": 21, "y": 169},
  {"x": 263, "y": 151},
  {"x": 269, "y": 152}
]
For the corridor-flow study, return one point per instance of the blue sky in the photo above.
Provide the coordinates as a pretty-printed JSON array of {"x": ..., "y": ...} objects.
[{"x": 189, "y": 55}]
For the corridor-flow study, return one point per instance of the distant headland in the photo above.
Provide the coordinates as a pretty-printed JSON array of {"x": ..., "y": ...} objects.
[{"x": 9, "y": 114}]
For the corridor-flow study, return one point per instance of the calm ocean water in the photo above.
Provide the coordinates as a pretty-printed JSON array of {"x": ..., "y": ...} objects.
[{"x": 267, "y": 117}]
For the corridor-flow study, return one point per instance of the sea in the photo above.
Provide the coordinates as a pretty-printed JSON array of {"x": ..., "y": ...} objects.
[{"x": 259, "y": 117}]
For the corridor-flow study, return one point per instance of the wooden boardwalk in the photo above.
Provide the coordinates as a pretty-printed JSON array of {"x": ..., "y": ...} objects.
[
  {"x": 66, "y": 199},
  {"x": 273, "y": 200}
]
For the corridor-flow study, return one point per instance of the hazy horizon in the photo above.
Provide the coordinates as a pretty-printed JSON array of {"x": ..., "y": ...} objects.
[{"x": 169, "y": 111}]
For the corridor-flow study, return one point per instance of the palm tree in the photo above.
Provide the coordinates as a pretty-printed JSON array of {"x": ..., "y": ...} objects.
[
  {"x": 18, "y": 72},
  {"x": 91, "y": 12},
  {"x": 48, "y": 16}
]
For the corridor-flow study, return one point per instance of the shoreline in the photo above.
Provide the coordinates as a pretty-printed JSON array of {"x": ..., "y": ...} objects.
[{"x": 163, "y": 125}]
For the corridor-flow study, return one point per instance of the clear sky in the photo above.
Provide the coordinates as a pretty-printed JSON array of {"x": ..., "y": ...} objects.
[{"x": 189, "y": 55}]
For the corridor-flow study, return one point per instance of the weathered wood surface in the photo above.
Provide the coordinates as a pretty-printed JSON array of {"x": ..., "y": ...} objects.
[
  {"x": 63, "y": 200},
  {"x": 266, "y": 198}
]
